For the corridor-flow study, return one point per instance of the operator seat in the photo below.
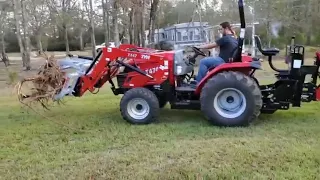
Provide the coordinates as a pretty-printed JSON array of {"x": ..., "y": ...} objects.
[
  {"x": 265, "y": 52},
  {"x": 269, "y": 53}
]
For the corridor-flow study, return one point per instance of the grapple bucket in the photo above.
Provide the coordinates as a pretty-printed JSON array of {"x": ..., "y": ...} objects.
[{"x": 73, "y": 68}]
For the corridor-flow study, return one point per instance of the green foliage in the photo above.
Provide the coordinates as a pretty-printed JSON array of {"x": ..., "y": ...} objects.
[
  {"x": 11, "y": 40},
  {"x": 316, "y": 40},
  {"x": 58, "y": 45},
  {"x": 13, "y": 77},
  {"x": 300, "y": 38}
]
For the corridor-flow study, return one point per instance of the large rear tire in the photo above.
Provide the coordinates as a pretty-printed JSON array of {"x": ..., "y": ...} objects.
[
  {"x": 231, "y": 99},
  {"x": 139, "y": 106}
]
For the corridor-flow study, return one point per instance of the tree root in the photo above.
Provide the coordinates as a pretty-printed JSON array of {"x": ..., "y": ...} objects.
[{"x": 45, "y": 85}]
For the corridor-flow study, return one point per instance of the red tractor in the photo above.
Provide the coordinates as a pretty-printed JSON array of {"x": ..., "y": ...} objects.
[{"x": 229, "y": 95}]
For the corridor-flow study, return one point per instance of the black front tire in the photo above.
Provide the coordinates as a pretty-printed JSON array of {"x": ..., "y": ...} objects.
[
  {"x": 139, "y": 106},
  {"x": 239, "y": 83}
]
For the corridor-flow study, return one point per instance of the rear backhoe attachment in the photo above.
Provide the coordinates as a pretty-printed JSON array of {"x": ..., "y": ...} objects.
[{"x": 291, "y": 87}]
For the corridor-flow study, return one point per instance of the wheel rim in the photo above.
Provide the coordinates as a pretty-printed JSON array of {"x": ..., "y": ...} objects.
[
  {"x": 230, "y": 103},
  {"x": 138, "y": 108}
]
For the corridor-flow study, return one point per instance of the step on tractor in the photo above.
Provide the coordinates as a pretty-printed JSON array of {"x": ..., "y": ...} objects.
[{"x": 229, "y": 95}]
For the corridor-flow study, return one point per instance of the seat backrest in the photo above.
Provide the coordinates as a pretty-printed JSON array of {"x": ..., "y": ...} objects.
[
  {"x": 258, "y": 43},
  {"x": 237, "y": 52},
  {"x": 235, "y": 57}
]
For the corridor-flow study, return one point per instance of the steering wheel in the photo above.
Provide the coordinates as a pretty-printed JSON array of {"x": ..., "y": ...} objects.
[
  {"x": 197, "y": 52},
  {"x": 191, "y": 60}
]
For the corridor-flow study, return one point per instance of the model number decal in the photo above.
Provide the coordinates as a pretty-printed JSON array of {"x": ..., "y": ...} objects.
[
  {"x": 132, "y": 55},
  {"x": 152, "y": 70}
]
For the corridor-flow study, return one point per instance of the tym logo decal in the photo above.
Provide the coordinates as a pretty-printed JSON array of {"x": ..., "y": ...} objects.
[{"x": 145, "y": 56}]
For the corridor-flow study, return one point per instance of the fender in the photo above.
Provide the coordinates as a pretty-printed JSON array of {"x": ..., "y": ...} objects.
[
  {"x": 244, "y": 67},
  {"x": 318, "y": 88},
  {"x": 318, "y": 93}
]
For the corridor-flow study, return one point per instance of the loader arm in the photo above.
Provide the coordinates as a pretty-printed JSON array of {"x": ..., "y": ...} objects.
[{"x": 106, "y": 66}]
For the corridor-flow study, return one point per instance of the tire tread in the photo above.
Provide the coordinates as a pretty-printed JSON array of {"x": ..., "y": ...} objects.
[
  {"x": 146, "y": 94},
  {"x": 225, "y": 76}
]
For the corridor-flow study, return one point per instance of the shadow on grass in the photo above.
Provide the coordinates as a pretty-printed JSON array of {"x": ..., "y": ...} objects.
[
  {"x": 95, "y": 116},
  {"x": 111, "y": 115},
  {"x": 168, "y": 115}
]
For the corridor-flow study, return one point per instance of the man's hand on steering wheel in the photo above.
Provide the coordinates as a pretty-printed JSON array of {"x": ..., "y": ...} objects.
[{"x": 198, "y": 51}]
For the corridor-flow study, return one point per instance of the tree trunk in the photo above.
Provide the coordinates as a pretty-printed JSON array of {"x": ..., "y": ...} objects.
[
  {"x": 39, "y": 43},
  {"x": 26, "y": 40},
  {"x": 115, "y": 23},
  {"x": 131, "y": 26},
  {"x": 143, "y": 25},
  {"x": 152, "y": 20},
  {"x": 138, "y": 36},
  {"x": 81, "y": 44},
  {"x": 106, "y": 26},
  {"x": 66, "y": 39},
  {"x": 5, "y": 58},
  {"x": 93, "y": 39},
  {"x": 81, "y": 39},
  {"x": 309, "y": 22},
  {"x": 268, "y": 25},
  {"x": 15, "y": 5},
  {"x": 3, "y": 49},
  {"x": 3, "y": 15},
  {"x": 136, "y": 27}
]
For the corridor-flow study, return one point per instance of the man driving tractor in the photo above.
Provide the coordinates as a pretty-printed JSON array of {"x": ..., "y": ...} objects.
[{"x": 227, "y": 43}]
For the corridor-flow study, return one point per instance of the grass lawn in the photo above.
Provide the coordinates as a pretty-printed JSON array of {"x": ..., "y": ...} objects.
[{"x": 182, "y": 145}]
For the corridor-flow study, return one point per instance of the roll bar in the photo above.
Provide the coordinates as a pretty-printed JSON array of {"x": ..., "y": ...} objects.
[{"x": 238, "y": 55}]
